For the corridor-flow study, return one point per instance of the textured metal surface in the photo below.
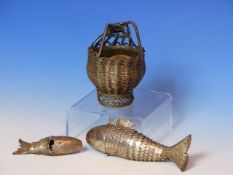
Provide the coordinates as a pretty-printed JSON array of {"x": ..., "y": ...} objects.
[
  {"x": 116, "y": 64},
  {"x": 53, "y": 146},
  {"x": 125, "y": 142}
]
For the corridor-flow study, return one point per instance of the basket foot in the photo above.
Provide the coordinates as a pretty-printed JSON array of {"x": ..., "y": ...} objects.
[{"x": 115, "y": 100}]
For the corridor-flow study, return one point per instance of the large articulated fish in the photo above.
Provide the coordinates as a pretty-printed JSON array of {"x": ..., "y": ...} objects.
[{"x": 121, "y": 140}]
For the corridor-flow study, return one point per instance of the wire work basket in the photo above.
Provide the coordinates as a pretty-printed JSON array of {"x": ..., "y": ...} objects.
[{"x": 116, "y": 64}]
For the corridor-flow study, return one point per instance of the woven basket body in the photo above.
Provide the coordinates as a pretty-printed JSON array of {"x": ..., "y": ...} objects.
[{"x": 116, "y": 67}]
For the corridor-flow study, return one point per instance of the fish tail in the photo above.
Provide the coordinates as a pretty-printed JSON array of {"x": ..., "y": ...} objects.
[
  {"x": 178, "y": 152},
  {"x": 24, "y": 147}
]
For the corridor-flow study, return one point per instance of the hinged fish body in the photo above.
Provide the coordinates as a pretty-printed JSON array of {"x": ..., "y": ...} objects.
[{"x": 118, "y": 140}]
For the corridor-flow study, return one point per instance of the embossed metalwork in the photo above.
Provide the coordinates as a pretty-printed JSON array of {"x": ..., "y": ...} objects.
[
  {"x": 118, "y": 140},
  {"x": 52, "y": 146},
  {"x": 116, "y": 64}
]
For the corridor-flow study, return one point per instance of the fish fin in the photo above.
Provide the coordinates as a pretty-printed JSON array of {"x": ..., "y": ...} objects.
[
  {"x": 178, "y": 152},
  {"x": 111, "y": 120},
  {"x": 124, "y": 122},
  {"x": 24, "y": 147},
  {"x": 120, "y": 122}
]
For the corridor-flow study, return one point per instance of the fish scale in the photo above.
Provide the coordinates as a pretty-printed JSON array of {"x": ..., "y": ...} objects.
[
  {"x": 114, "y": 142},
  {"x": 142, "y": 148},
  {"x": 129, "y": 147},
  {"x": 123, "y": 146},
  {"x": 138, "y": 147},
  {"x": 108, "y": 143},
  {"x": 135, "y": 146}
]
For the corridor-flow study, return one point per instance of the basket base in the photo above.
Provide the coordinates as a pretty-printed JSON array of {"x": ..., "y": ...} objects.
[{"x": 114, "y": 100}]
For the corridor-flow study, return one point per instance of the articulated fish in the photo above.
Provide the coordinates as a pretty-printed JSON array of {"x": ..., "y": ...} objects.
[
  {"x": 52, "y": 146},
  {"x": 121, "y": 140}
]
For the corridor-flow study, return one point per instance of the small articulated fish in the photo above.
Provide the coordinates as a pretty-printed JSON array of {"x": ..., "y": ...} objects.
[
  {"x": 120, "y": 140},
  {"x": 52, "y": 146}
]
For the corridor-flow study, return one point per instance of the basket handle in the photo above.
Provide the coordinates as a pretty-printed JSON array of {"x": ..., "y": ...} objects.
[{"x": 117, "y": 29}]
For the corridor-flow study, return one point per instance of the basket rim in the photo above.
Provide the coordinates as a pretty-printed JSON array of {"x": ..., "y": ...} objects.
[{"x": 116, "y": 47}]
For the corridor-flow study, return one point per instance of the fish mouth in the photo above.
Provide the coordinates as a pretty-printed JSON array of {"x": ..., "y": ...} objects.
[
  {"x": 90, "y": 136},
  {"x": 51, "y": 144}
]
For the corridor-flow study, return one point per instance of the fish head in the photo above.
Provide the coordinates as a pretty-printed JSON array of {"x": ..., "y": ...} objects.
[
  {"x": 64, "y": 145},
  {"x": 96, "y": 138}
]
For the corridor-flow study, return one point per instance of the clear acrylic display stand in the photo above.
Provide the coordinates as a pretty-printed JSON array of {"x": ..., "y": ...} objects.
[{"x": 151, "y": 111}]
